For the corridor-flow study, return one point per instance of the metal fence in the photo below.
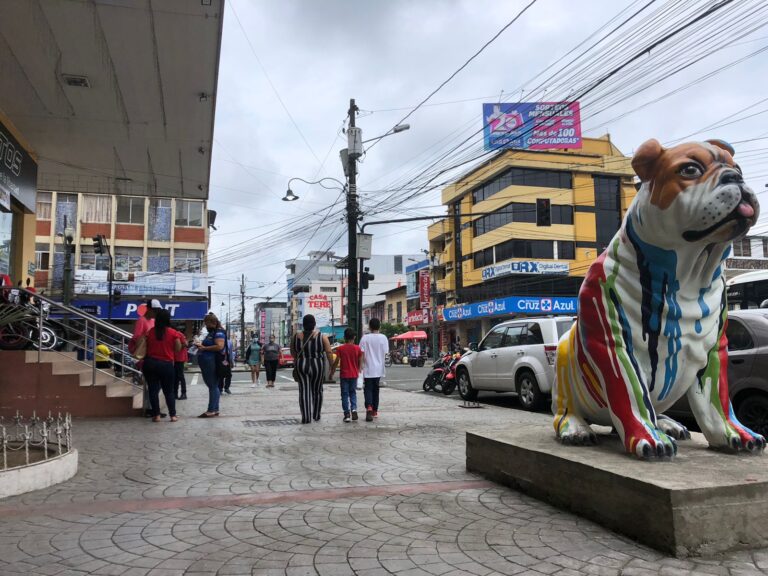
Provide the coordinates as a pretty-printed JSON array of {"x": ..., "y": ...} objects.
[{"x": 38, "y": 439}]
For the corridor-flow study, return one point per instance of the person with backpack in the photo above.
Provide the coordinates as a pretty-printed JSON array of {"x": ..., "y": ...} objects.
[
  {"x": 350, "y": 356},
  {"x": 161, "y": 344}
]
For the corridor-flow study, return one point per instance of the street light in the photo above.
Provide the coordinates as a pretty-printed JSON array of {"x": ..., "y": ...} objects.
[
  {"x": 395, "y": 130},
  {"x": 290, "y": 196}
]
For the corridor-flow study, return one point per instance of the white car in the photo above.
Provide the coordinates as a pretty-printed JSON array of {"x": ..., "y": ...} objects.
[{"x": 515, "y": 356}]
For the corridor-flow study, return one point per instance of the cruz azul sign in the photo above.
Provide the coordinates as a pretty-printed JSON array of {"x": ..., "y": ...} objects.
[
  {"x": 525, "y": 267},
  {"x": 534, "y": 305}
]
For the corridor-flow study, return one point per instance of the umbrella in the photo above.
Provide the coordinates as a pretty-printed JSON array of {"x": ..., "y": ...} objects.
[{"x": 412, "y": 335}]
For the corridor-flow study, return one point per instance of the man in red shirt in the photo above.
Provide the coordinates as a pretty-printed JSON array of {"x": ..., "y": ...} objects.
[{"x": 350, "y": 356}]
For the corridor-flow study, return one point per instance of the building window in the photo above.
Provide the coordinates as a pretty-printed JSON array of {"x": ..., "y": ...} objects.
[
  {"x": 327, "y": 288},
  {"x": 389, "y": 313},
  {"x": 562, "y": 214},
  {"x": 523, "y": 249},
  {"x": 483, "y": 258},
  {"x": 158, "y": 260},
  {"x": 189, "y": 213},
  {"x": 97, "y": 209},
  {"x": 187, "y": 261},
  {"x": 91, "y": 261},
  {"x": 607, "y": 209},
  {"x": 43, "y": 205},
  {"x": 522, "y": 177},
  {"x": 66, "y": 212},
  {"x": 566, "y": 250},
  {"x": 160, "y": 219},
  {"x": 398, "y": 264},
  {"x": 399, "y": 312},
  {"x": 514, "y": 212},
  {"x": 128, "y": 259},
  {"x": 130, "y": 210},
  {"x": 743, "y": 248},
  {"x": 42, "y": 256}
]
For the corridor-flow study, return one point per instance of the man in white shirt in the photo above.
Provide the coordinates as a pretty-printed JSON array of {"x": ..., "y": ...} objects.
[{"x": 375, "y": 346}]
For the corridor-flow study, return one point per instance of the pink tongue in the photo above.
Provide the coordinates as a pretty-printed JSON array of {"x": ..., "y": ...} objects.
[{"x": 746, "y": 210}]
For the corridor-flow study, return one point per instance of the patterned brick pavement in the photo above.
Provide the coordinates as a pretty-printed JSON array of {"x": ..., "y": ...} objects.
[{"x": 253, "y": 493}]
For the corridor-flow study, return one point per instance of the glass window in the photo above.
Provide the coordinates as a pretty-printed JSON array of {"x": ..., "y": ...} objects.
[
  {"x": 398, "y": 264},
  {"x": 562, "y": 214},
  {"x": 566, "y": 250},
  {"x": 399, "y": 312},
  {"x": 542, "y": 249},
  {"x": 187, "y": 261},
  {"x": 158, "y": 260},
  {"x": 514, "y": 336},
  {"x": 130, "y": 210},
  {"x": 91, "y": 261},
  {"x": 66, "y": 212},
  {"x": 42, "y": 256},
  {"x": 493, "y": 339},
  {"x": 533, "y": 334},
  {"x": 97, "y": 209},
  {"x": 128, "y": 259},
  {"x": 43, "y": 209},
  {"x": 563, "y": 326},
  {"x": 522, "y": 177},
  {"x": 523, "y": 212},
  {"x": 389, "y": 313},
  {"x": 742, "y": 248},
  {"x": 739, "y": 337},
  {"x": 160, "y": 219},
  {"x": 189, "y": 213},
  {"x": 327, "y": 288}
]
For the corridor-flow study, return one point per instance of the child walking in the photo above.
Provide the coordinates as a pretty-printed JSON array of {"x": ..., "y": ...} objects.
[{"x": 350, "y": 356}]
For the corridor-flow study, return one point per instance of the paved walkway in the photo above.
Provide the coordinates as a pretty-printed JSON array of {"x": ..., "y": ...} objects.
[{"x": 253, "y": 492}]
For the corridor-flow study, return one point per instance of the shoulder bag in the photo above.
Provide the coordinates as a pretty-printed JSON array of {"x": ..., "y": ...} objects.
[
  {"x": 223, "y": 366},
  {"x": 296, "y": 360}
]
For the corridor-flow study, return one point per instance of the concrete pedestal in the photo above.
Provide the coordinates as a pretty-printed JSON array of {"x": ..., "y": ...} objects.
[{"x": 702, "y": 502}]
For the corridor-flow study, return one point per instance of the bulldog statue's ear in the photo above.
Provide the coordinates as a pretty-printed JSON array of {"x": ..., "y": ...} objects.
[
  {"x": 723, "y": 145},
  {"x": 646, "y": 157}
]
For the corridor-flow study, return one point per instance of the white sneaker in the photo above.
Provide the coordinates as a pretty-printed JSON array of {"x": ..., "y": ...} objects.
[{"x": 253, "y": 385}]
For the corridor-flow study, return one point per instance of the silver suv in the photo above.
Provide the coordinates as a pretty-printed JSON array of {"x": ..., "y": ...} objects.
[{"x": 515, "y": 356}]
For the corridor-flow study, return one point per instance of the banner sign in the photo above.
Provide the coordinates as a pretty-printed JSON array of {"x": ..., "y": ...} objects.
[
  {"x": 179, "y": 310},
  {"x": 18, "y": 173},
  {"x": 412, "y": 278},
  {"x": 513, "y": 305},
  {"x": 263, "y": 325},
  {"x": 424, "y": 288},
  {"x": 525, "y": 267},
  {"x": 532, "y": 125},
  {"x": 141, "y": 283},
  {"x": 418, "y": 317}
]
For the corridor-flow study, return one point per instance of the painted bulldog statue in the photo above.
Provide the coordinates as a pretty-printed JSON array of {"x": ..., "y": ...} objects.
[{"x": 652, "y": 309}]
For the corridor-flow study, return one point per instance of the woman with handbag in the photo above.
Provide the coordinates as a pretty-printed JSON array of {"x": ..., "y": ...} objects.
[
  {"x": 308, "y": 348},
  {"x": 162, "y": 344},
  {"x": 209, "y": 352}
]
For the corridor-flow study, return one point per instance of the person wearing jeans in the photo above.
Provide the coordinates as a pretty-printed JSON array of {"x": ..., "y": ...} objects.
[
  {"x": 212, "y": 345},
  {"x": 162, "y": 343},
  {"x": 375, "y": 347},
  {"x": 350, "y": 357}
]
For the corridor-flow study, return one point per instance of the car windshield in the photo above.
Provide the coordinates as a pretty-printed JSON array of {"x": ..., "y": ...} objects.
[
  {"x": 563, "y": 326},
  {"x": 286, "y": 350}
]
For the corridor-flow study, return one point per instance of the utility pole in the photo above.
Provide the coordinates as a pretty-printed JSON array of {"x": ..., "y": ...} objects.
[
  {"x": 352, "y": 317},
  {"x": 433, "y": 301},
  {"x": 242, "y": 316}
]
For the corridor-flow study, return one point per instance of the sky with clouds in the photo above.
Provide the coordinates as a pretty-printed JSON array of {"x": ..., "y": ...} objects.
[{"x": 288, "y": 69}]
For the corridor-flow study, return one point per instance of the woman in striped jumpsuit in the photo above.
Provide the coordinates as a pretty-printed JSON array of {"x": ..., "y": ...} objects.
[{"x": 308, "y": 348}]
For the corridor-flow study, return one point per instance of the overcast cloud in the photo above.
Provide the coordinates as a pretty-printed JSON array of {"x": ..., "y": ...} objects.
[{"x": 391, "y": 54}]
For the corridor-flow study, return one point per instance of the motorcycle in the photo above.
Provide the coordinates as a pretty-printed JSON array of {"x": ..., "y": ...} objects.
[
  {"x": 436, "y": 376},
  {"x": 393, "y": 357},
  {"x": 22, "y": 325},
  {"x": 450, "y": 382}
]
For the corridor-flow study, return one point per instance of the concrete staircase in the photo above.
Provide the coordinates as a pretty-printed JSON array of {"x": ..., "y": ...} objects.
[{"x": 61, "y": 383}]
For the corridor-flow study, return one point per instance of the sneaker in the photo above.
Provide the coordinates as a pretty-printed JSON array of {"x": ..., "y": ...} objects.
[
  {"x": 375, "y": 413},
  {"x": 183, "y": 397},
  {"x": 369, "y": 415},
  {"x": 354, "y": 414},
  {"x": 346, "y": 417},
  {"x": 227, "y": 391}
]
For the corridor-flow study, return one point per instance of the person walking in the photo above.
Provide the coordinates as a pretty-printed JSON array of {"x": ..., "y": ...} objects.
[
  {"x": 374, "y": 346},
  {"x": 270, "y": 352},
  {"x": 253, "y": 359},
  {"x": 307, "y": 348},
  {"x": 350, "y": 356},
  {"x": 226, "y": 382},
  {"x": 212, "y": 345},
  {"x": 180, "y": 361},
  {"x": 162, "y": 344},
  {"x": 144, "y": 323}
]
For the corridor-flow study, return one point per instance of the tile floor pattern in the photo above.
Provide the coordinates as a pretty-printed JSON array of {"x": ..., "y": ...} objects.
[{"x": 219, "y": 497}]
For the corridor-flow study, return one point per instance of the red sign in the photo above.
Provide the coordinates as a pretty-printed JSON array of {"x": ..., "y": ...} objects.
[
  {"x": 418, "y": 317},
  {"x": 318, "y": 301},
  {"x": 424, "y": 288},
  {"x": 263, "y": 325}
]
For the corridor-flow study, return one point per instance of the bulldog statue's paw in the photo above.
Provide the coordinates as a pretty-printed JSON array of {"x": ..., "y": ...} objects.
[
  {"x": 654, "y": 444},
  {"x": 741, "y": 439},
  {"x": 672, "y": 428},
  {"x": 574, "y": 431}
]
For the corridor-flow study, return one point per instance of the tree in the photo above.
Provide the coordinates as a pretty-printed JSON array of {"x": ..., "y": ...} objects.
[{"x": 390, "y": 330}]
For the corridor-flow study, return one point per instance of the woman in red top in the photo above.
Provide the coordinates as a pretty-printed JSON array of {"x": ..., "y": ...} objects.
[{"x": 163, "y": 342}]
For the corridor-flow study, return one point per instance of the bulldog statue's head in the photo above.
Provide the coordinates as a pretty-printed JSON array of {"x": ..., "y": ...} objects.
[{"x": 692, "y": 193}]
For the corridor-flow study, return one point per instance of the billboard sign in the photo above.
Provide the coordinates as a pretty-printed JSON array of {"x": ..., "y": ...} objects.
[
  {"x": 179, "y": 310},
  {"x": 533, "y": 305},
  {"x": 424, "y": 288},
  {"x": 532, "y": 125},
  {"x": 525, "y": 267},
  {"x": 141, "y": 283}
]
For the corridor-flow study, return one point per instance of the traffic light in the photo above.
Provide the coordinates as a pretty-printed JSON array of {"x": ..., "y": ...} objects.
[
  {"x": 365, "y": 278},
  {"x": 116, "y": 296},
  {"x": 98, "y": 244},
  {"x": 543, "y": 212}
]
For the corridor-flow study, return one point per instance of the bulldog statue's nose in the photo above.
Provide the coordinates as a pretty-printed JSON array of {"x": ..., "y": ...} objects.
[{"x": 731, "y": 177}]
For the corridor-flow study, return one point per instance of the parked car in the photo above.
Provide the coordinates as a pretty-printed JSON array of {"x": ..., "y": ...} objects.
[
  {"x": 285, "y": 358},
  {"x": 515, "y": 356},
  {"x": 747, "y": 334}
]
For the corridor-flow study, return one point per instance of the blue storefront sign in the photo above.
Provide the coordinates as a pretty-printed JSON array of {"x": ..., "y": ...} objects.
[
  {"x": 513, "y": 305},
  {"x": 179, "y": 310}
]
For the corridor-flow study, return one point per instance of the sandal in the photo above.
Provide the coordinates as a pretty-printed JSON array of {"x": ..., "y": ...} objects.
[
  {"x": 208, "y": 414},
  {"x": 155, "y": 418},
  {"x": 174, "y": 418}
]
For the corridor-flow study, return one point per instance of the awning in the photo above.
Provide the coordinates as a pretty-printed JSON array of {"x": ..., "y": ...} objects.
[{"x": 412, "y": 335}]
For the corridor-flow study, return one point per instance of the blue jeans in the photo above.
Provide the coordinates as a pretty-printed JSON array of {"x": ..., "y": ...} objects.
[
  {"x": 208, "y": 370},
  {"x": 348, "y": 394},
  {"x": 371, "y": 392}
]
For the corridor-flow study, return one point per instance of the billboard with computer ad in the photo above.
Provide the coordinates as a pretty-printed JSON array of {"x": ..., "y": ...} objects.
[{"x": 532, "y": 125}]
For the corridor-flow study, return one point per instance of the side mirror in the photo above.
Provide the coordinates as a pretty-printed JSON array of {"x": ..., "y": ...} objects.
[{"x": 473, "y": 346}]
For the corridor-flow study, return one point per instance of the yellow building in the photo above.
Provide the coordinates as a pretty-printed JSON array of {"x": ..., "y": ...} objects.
[{"x": 493, "y": 244}]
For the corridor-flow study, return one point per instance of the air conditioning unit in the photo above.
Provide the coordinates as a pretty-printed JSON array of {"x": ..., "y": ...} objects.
[{"x": 119, "y": 276}]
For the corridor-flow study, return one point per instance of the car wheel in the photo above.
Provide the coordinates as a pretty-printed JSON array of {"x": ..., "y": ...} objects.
[
  {"x": 752, "y": 411},
  {"x": 528, "y": 391},
  {"x": 465, "y": 386}
]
